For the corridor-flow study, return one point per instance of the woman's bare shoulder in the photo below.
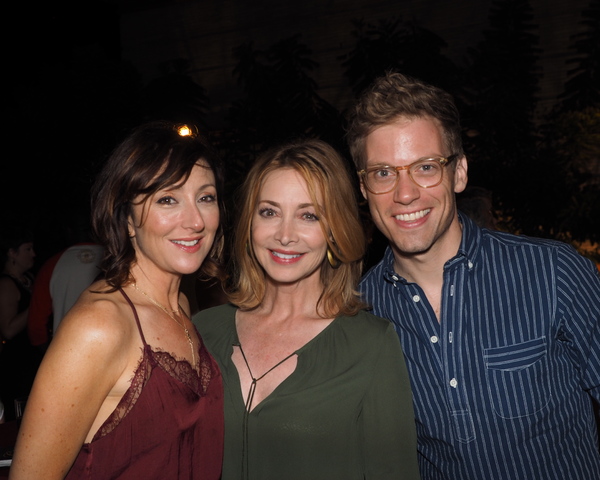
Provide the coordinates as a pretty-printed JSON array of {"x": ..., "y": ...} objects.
[{"x": 99, "y": 316}]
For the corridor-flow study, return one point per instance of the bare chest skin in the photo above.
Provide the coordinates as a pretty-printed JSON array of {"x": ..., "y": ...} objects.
[
  {"x": 269, "y": 357},
  {"x": 266, "y": 381},
  {"x": 432, "y": 291}
]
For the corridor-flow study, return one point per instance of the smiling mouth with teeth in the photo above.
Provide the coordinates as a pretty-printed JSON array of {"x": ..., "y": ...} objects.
[
  {"x": 186, "y": 244},
  {"x": 411, "y": 217},
  {"x": 284, "y": 256}
]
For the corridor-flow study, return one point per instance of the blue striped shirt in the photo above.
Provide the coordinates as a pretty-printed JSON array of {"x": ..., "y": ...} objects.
[{"x": 502, "y": 386}]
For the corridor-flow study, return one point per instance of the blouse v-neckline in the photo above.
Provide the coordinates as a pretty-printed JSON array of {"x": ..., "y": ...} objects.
[
  {"x": 236, "y": 343},
  {"x": 248, "y": 403}
]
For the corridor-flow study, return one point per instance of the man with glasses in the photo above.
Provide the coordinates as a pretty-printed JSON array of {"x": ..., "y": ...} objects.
[{"x": 501, "y": 333}]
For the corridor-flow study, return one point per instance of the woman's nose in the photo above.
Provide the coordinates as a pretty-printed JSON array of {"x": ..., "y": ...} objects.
[
  {"x": 286, "y": 232},
  {"x": 194, "y": 219}
]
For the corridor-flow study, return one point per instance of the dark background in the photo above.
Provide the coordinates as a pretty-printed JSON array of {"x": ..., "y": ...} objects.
[{"x": 78, "y": 76}]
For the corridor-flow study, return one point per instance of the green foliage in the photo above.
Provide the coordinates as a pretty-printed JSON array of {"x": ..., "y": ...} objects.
[
  {"x": 392, "y": 44},
  {"x": 583, "y": 87},
  {"x": 571, "y": 140},
  {"x": 280, "y": 103},
  {"x": 501, "y": 101},
  {"x": 572, "y": 149},
  {"x": 70, "y": 111}
]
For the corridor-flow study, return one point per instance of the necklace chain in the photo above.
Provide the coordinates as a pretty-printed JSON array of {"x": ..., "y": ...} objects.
[
  {"x": 170, "y": 314},
  {"x": 23, "y": 280}
]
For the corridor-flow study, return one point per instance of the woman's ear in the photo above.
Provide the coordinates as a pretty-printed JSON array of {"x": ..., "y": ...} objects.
[{"x": 130, "y": 228}]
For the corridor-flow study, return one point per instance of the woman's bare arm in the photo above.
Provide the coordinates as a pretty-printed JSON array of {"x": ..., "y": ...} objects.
[{"x": 85, "y": 360}]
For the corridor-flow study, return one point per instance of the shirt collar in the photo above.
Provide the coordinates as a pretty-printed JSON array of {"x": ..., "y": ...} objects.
[
  {"x": 387, "y": 264},
  {"x": 470, "y": 244}
]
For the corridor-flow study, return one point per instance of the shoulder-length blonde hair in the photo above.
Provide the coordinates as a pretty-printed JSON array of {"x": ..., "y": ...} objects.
[{"x": 326, "y": 174}]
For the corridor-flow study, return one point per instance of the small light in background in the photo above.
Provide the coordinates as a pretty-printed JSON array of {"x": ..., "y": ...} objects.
[{"x": 186, "y": 130}]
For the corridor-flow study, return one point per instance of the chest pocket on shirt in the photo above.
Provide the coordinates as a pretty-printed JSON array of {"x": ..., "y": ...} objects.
[{"x": 518, "y": 378}]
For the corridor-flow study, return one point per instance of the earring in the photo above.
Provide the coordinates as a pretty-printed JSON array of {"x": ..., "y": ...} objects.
[{"x": 334, "y": 262}]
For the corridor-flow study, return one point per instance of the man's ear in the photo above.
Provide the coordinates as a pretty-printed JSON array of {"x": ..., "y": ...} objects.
[
  {"x": 461, "y": 176},
  {"x": 363, "y": 190}
]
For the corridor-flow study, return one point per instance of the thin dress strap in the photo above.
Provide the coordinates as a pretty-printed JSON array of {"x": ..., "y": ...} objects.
[{"x": 137, "y": 319}]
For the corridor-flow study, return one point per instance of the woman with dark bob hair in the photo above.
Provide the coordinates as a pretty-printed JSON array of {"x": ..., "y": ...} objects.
[
  {"x": 127, "y": 389},
  {"x": 315, "y": 387}
]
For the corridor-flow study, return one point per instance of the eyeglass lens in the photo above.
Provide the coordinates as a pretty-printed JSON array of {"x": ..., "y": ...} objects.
[{"x": 426, "y": 173}]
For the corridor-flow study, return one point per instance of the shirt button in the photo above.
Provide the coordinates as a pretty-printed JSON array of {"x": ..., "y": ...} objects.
[
  {"x": 394, "y": 278},
  {"x": 416, "y": 298},
  {"x": 453, "y": 383},
  {"x": 470, "y": 264},
  {"x": 434, "y": 339}
]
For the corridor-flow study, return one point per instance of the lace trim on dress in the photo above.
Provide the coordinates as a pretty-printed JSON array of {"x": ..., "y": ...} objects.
[
  {"x": 183, "y": 371},
  {"x": 141, "y": 375},
  {"x": 179, "y": 369}
]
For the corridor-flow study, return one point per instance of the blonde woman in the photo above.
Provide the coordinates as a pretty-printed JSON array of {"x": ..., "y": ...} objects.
[{"x": 315, "y": 388}]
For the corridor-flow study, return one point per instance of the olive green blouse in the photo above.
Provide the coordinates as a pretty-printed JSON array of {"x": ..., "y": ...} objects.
[{"x": 344, "y": 413}]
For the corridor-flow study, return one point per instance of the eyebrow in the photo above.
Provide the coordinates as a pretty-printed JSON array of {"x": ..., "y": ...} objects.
[
  {"x": 179, "y": 186},
  {"x": 382, "y": 164},
  {"x": 278, "y": 205}
]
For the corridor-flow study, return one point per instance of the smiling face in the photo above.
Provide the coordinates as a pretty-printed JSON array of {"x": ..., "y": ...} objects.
[
  {"x": 174, "y": 229},
  {"x": 417, "y": 221},
  {"x": 287, "y": 238}
]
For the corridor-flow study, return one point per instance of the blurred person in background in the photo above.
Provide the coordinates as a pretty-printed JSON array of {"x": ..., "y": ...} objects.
[
  {"x": 18, "y": 359},
  {"x": 62, "y": 278}
]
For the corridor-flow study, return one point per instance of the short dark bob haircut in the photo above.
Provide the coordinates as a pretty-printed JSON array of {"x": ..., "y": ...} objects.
[{"x": 154, "y": 156}]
